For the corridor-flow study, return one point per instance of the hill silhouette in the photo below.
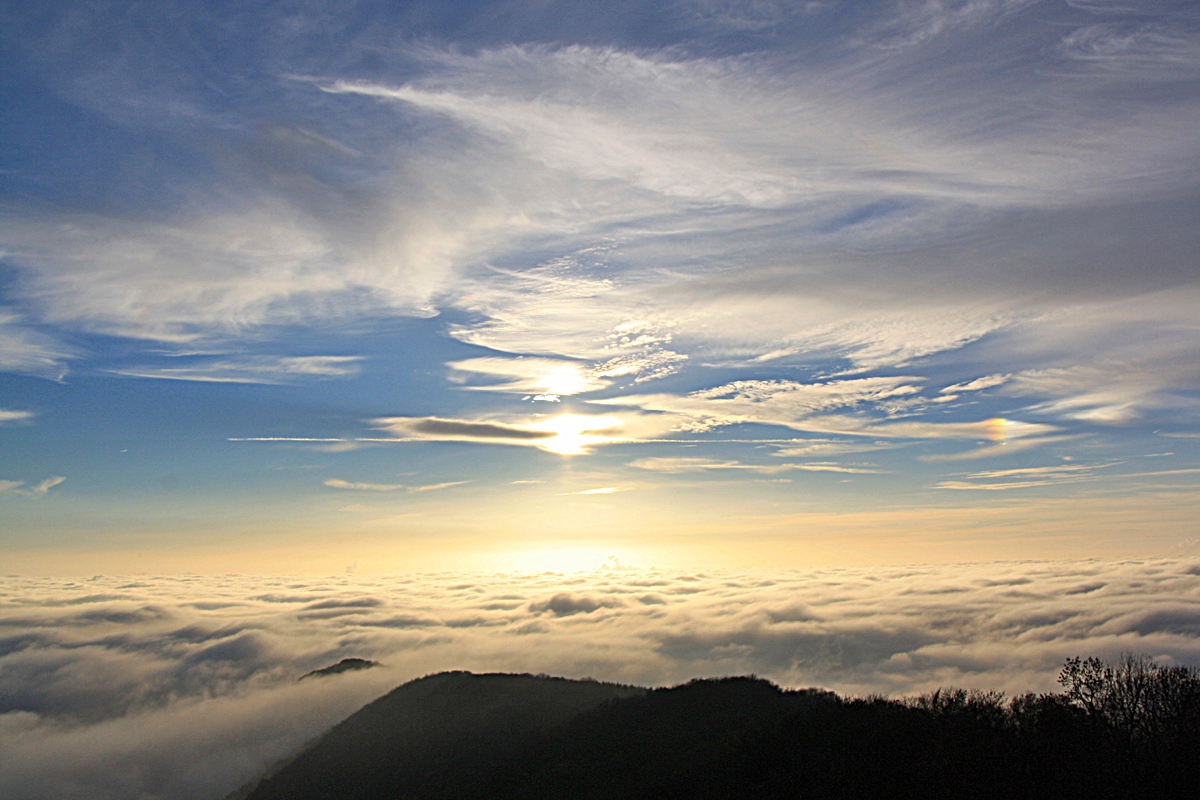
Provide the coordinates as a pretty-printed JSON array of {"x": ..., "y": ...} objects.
[
  {"x": 345, "y": 665},
  {"x": 449, "y": 735},
  {"x": 1125, "y": 731}
]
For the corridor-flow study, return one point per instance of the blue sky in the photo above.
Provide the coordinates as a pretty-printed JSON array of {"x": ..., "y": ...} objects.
[{"x": 293, "y": 286}]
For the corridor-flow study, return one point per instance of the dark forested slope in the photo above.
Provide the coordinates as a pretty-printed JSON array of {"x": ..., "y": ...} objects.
[
  {"x": 1126, "y": 731},
  {"x": 449, "y": 735}
]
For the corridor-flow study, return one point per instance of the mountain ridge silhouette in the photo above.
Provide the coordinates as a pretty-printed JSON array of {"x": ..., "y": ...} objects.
[{"x": 499, "y": 736}]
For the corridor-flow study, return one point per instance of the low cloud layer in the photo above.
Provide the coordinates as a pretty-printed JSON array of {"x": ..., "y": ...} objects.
[{"x": 186, "y": 687}]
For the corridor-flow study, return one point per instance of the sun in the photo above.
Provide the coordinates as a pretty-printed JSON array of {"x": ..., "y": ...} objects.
[{"x": 575, "y": 433}]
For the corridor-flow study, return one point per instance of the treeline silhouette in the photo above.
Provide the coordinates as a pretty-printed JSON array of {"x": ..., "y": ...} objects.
[{"x": 1124, "y": 730}]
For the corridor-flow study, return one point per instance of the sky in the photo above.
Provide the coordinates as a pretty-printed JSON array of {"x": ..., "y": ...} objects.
[
  {"x": 290, "y": 287},
  {"x": 852, "y": 344}
]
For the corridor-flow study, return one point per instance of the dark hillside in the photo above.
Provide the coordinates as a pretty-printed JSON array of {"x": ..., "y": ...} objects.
[
  {"x": 1130, "y": 730},
  {"x": 665, "y": 743},
  {"x": 443, "y": 736}
]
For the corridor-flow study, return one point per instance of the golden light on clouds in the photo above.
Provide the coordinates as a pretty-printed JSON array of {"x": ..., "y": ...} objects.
[
  {"x": 552, "y": 557},
  {"x": 567, "y": 379},
  {"x": 564, "y": 434},
  {"x": 548, "y": 378}
]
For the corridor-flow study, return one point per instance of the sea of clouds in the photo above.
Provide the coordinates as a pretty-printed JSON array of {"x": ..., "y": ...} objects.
[{"x": 187, "y": 686}]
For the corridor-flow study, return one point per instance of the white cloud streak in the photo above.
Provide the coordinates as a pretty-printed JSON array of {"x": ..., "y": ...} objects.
[
  {"x": 28, "y": 351},
  {"x": 979, "y": 384},
  {"x": 39, "y": 489},
  {"x": 254, "y": 369},
  {"x": 686, "y": 464},
  {"x": 337, "y": 483}
]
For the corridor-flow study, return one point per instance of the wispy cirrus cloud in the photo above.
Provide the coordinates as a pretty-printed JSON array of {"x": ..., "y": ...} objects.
[
  {"x": 252, "y": 369},
  {"x": 338, "y": 483},
  {"x": 25, "y": 350},
  {"x": 1008, "y": 447},
  {"x": 1147, "y": 50},
  {"x": 873, "y": 405},
  {"x": 1111, "y": 392},
  {"x": 437, "y": 487},
  {"x": 39, "y": 489},
  {"x": 785, "y": 403},
  {"x": 632, "y": 181},
  {"x": 994, "y": 487},
  {"x": 977, "y": 385},
  {"x": 1058, "y": 470},
  {"x": 10, "y": 416},
  {"x": 358, "y": 486},
  {"x": 506, "y": 97},
  {"x": 438, "y": 428},
  {"x": 831, "y": 447},
  {"x": 1023, "y": 477},
  {"x": 911, "y": 24},
  {"x": 690, "y": 464}
]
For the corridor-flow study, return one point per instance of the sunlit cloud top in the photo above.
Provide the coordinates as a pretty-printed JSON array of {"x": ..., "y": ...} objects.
[{"x": 193, "y": 680}]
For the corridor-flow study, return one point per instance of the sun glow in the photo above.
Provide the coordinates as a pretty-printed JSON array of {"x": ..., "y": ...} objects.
[
  {"x": 560, "y": 559},
  {"x": 575, "y": 433},
  {"x": 567, "y": 379}
]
